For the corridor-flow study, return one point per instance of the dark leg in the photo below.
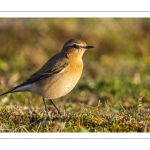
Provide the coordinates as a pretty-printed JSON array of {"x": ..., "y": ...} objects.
[
  {"x": 46, "y": 108},
  {"x": 55, "y": 107}
]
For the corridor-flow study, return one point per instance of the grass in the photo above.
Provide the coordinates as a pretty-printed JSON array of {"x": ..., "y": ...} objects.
[
  {"x": 113, "y": 92},
  {"x": 88, "y": 119}
]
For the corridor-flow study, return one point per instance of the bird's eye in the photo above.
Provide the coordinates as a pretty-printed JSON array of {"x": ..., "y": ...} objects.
[{"x": 75, "y": 46}]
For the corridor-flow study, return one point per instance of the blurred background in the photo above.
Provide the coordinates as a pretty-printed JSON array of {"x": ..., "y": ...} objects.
[{"x": 116, "y": 71}]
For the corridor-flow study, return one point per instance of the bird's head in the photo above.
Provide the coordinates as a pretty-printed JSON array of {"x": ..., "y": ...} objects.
[{"x": 75, "y": 48}]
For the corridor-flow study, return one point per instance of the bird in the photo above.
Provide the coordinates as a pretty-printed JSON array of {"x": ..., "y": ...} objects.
[{"x": 59, "y": 74}]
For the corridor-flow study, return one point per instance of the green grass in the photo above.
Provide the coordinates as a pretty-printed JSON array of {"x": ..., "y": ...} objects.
[{"x": 113, "y": 92}]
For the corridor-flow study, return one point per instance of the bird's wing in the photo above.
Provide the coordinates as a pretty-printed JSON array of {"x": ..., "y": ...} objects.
[
  {"x": 46, "y": 72},
  {"x": 54, "y": 66}
]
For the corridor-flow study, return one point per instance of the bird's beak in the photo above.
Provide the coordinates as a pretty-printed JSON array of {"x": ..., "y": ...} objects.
[{"x": 89, "y": 47}]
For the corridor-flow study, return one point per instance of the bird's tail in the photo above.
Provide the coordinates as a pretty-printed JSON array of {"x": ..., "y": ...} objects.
[
  {"x": 10, "y": 91},
  {"x": 19, "y": 88}
]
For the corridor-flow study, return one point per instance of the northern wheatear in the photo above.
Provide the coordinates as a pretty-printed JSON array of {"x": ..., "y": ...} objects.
[{"x": 59, "y": 75}]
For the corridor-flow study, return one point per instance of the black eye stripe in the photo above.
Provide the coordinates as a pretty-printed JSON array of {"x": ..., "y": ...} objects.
[{"x": 75, "y": 46}]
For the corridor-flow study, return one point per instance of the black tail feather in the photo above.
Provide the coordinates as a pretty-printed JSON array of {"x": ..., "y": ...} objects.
[
  {"x": 5, "y": 93},
  {"x": 10, "y": 91}
]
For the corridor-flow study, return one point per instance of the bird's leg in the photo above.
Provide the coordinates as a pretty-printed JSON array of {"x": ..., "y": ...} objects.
[
  {"x": 55, "y": 107},
  {"x": 46, "y": 109}
]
